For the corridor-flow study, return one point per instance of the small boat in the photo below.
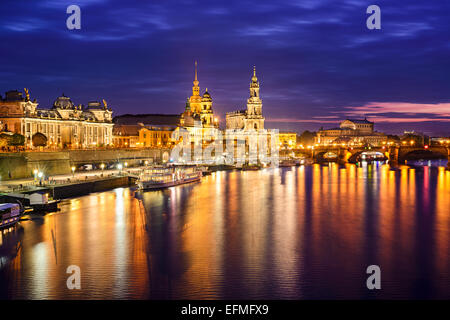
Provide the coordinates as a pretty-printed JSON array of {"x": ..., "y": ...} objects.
[
  {"x": 9, "y": 214},
  {"x": 39, "y": 201},
  {"x": 165, "y": 177},
  {"x": 251, "y": 167},
  {"x": 287, "y": 163},
  {"x": 205, "y": 171}
]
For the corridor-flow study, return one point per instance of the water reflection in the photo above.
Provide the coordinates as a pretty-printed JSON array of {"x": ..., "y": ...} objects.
[{"x": 288, "y": 233}]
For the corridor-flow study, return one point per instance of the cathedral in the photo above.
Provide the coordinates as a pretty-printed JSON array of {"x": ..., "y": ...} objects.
[
  {"x": 198, "y": 111},
  {"x": 251, "y": 118}
]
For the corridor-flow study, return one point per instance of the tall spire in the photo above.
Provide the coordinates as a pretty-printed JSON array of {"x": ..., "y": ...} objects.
[
  {"x": 195, "y": 100},
  {"x": 195, "y": 88},
  {"x": 195, "y": 70},
  {"x": 195, "y": 79}
]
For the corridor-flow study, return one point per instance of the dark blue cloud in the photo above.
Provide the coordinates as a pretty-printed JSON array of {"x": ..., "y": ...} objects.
[{"x": 313, "y": 57}]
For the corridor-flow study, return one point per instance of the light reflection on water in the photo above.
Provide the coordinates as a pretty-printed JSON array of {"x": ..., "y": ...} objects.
[{"x": 288, "y": 233}]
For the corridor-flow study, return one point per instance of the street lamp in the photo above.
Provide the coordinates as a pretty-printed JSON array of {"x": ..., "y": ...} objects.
[
  {"x": 40, "y": 174},
  {"x": 35, "y": 172},
  {"x": 126, "y": 164},
  {"x": 146, "y": 162},
  {"x": 119, "y": 166},
  {"x": 73, "y": 171}
]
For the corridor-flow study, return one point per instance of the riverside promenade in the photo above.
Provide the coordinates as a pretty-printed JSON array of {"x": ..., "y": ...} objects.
[{"x": 70, "y": 185}]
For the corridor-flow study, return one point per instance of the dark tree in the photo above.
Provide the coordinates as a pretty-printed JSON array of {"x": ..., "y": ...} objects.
[
  {"x": 307, "y": 138},
  {"x": 39, "y": 140}
]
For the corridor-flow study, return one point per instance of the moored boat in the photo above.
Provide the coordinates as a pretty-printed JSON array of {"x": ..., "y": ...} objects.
[
  {"x": 288, "y": 163},
  {"x": 165, "y": 177},
  {"x": 39, "y": 201},
  {"x": 9, "y": 214},
  {"x": 248, "y": 167}
]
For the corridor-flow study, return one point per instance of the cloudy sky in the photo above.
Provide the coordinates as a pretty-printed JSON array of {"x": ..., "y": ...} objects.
[{"x": 316, "y": 60}]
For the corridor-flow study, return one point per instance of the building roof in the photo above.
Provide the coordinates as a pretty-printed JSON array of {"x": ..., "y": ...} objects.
[
  {"x": 359, "y": 121},
  {"x": 343, "y": 139},
  {"x": 126, "y": 130},
  {"x": 159, "y": 127},
  {"x": 13, "y": 95},
  {"x": 148, "y": 119}
]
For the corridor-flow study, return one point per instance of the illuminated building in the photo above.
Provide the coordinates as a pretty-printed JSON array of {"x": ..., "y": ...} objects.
[
  {"x": 287, "y": 139},
  {"x": 198, "y": 116},
  {"x": 144, "y": 130},
  {"x": 251, "y": 118},
  {"x": 156, "y": 136},
  {"x": 65, "y": 125},
  {"x": 351, "y": 132},
  {"x": 199, "y": 107},
  {"x": 126, "y": 136}
]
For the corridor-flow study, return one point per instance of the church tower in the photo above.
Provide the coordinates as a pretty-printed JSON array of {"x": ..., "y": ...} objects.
[
  {"x": 254, "y": 120},
  {"x": 207, "y": 114},
  {"x": 254, "y": 103},
  {"x": 195, "y": 100}
]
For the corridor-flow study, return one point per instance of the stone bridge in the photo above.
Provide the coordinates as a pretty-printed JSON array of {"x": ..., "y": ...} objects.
[
  {"x": 394, "y": 154},
  {"x": 344, "y": 154},
  {"x": 401, "y": 154}
]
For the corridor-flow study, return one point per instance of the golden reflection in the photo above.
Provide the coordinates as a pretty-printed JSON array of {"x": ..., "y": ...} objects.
[
  {"x": 272, "y": 233},
  {"x": 442, "y": 222}
]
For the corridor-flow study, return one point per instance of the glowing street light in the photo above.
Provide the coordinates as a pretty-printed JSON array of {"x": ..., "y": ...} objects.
[
  {"x": 119, "y": 166},
  {"x": 126, "y": 164},
  {"x": 102, "y": 166}
]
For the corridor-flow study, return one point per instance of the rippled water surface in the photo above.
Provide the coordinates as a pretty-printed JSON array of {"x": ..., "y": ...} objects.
[{"x": 288, "y": 233}]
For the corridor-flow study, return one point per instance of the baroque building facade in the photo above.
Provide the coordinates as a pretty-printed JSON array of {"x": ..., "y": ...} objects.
[{"x": 64, "y": 125}]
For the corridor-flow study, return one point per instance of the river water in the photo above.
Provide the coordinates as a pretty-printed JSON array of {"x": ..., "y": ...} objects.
[{"x": 304, "y": 232}]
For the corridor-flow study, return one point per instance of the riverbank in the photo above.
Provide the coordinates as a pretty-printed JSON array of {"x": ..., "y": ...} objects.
[{"x": 21, "y": 165}]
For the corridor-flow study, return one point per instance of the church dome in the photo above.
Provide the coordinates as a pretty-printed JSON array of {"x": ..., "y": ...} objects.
[
  {"x": 63, "y": 102},
  {"x": 206, "y": 96}
]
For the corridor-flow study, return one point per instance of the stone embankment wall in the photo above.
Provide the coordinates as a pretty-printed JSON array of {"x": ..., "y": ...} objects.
[{"x": 20, "y": 165}]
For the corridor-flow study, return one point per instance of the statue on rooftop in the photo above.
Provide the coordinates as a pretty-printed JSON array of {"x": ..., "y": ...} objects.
[{"x": 27, "y": 94}]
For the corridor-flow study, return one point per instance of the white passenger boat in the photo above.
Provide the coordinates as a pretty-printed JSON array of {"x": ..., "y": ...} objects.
[
  {"x": 165, "y": 177},
  {"x": 9, "y": 214}
]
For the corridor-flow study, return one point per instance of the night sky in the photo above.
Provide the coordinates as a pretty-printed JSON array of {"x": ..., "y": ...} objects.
[{"x": 316, "y": 60}]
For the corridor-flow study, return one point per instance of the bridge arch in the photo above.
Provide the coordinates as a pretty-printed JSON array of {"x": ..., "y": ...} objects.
[
  {"x": 326, "y": 155},
  {"x": 366, "y": 155},
  {"x": 419, "y": 154}
]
